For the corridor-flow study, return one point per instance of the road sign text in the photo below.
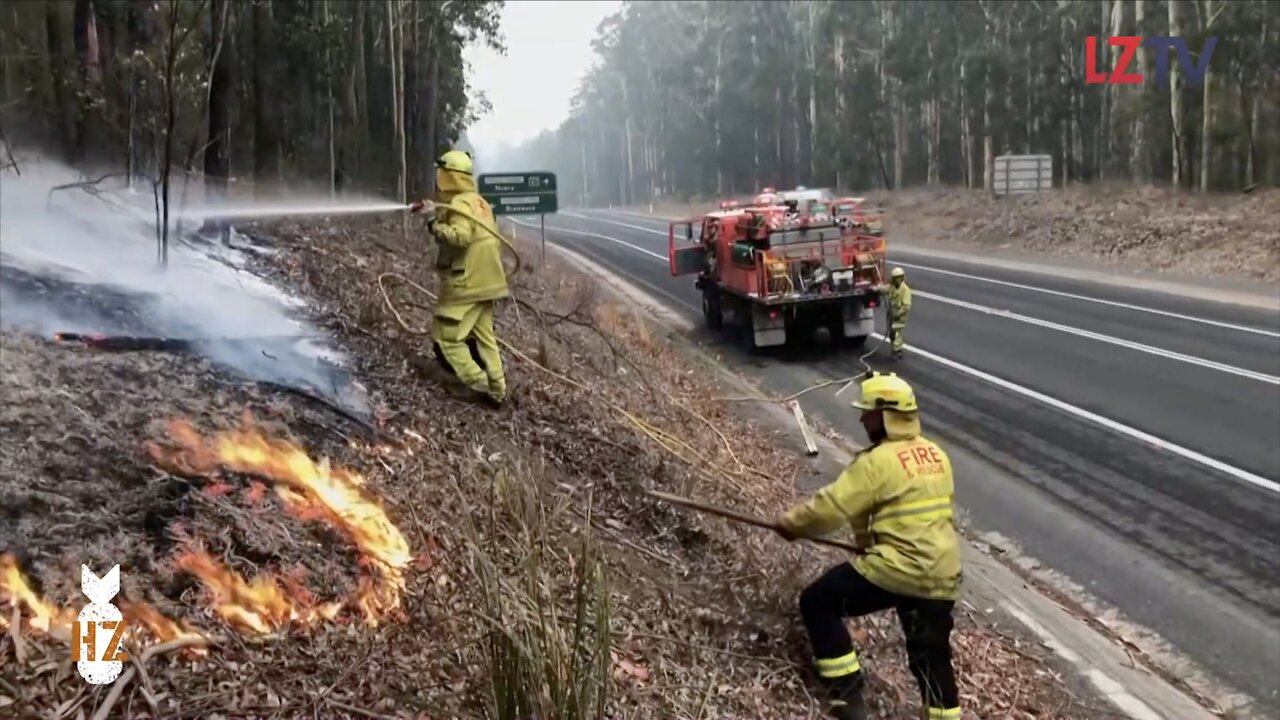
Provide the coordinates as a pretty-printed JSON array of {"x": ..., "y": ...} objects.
[{"x": 529, "y": 193}]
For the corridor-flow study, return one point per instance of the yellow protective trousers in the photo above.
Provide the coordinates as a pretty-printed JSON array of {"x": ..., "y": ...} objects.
[
  {"x": 896, "y": 329},
  {"x": 467, "y": 346}
]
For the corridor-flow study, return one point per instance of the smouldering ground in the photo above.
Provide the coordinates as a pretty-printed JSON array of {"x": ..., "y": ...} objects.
[{"x": 495, "y": 507}]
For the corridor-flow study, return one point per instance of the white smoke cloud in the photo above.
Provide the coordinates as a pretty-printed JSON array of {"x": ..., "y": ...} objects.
[{"x": 79, "y": 262}]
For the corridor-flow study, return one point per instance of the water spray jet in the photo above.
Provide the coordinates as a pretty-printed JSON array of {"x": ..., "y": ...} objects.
[{"x": 289, "y": 210}]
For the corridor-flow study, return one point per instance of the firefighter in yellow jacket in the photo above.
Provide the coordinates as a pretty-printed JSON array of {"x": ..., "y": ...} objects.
[
  {"x": 899, "y": 308},
  {"x": 469, "y": 265},
  {"x": 896, "y": 496}
]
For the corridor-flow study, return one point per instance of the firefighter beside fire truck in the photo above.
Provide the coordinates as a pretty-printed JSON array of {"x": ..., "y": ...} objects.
[
  {"x": 899, "y": 309},
  {"x": 896, "y": 498}
]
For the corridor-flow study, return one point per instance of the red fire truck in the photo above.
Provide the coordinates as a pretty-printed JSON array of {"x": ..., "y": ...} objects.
[{"x": 779, "y": 271}]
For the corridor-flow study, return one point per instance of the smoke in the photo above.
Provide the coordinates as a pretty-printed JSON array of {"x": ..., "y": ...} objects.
[{"x": 77, "y": 261}]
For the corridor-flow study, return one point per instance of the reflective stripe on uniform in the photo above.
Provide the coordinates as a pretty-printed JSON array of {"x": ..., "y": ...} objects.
[
  {"x": 927, "y": 509},
  {"x": 947, "y": 714},
  {"x": 838, "y": 667}
]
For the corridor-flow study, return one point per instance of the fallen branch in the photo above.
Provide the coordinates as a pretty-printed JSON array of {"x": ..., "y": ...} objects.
[
  {"x": 83, "y": 184},
  {"x": 118, "y": 687},
  {"x": 132, "y": 343},
  {"x": 370, "y": 431}
]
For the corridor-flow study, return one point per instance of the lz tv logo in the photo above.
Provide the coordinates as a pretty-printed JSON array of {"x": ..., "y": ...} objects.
[
  {"x": 1129, "y": 45},
  {"x": 97, "y": 630}
]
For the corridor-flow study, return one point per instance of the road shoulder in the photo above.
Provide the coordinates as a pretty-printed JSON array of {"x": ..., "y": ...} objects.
[{"x": 1102, "y": 666}]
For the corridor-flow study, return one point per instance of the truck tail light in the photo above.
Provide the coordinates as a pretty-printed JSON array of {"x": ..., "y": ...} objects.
[{"x": 872, "y": 302}]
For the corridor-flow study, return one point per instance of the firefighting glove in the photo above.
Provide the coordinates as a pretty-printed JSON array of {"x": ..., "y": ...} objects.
[{"x": 784, "y": 531}]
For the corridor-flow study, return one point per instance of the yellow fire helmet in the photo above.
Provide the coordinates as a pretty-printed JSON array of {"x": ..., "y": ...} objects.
[
  {"x": 455, "y": 160},
  {"x": 886, "y": 391}
]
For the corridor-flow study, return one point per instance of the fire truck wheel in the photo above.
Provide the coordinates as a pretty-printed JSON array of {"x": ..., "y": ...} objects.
[
  {"x": 711, "y": 309},
  {"x": 749, "y": 330}
]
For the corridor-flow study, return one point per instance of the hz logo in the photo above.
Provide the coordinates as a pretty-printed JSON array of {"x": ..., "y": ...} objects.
[
  {"x": 99, "y": 624},
  {"x": 1130, "y": 45}
]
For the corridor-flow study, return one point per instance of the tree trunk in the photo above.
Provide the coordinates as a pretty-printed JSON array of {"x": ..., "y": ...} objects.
[
  {"x": 811, "y": 65},
  {"x": 933, "y": 126},
  {"x": 395, "y": 41},
  {"x": 431, "y": 103},
  {"x": 89, "y": 76},
  {"x": 1209, "y": 128},
  {"x": 170, "y": 115},
  {"x": 330, "y": 74},
  {"x": 266, "y": 138},
  {"x": 217, "y": 166},
  {"x": 357, "y": 96},
  {"x": 988, "y": 149},
  {"x": 1139, "y": 166},
  {"x": 966, "y": 130},
  {"x": 719, "y": 159},
  {"x": 1176, "y": 83},
  {"x": 55, "y": 44},
  {"x": 1259, "y": 87},
  {"x": 838, "y": 136},
  {"x": 893, "y": 92},
  {"x": 1114, "y": 129}
]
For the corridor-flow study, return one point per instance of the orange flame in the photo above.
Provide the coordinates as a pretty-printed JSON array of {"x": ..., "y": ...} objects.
[
  {"x": 55, "y": 621},
  {"x": 162, "y": 628},
  {"x": 259, "y": 605},
  {"x": 18, "y": 593},
  {"x": 309, "y": 490}
]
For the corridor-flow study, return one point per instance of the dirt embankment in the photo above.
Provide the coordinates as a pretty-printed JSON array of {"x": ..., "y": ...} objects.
[
  {"x": 538, "y": 579},
  {"x": 1136, "y": 229}
]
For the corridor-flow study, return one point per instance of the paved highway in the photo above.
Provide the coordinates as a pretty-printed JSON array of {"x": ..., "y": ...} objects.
[{"x": 1128, "y": 440}]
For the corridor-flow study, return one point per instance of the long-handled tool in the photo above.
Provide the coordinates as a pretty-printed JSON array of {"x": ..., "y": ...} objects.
[{"x": 742, "y": 518}]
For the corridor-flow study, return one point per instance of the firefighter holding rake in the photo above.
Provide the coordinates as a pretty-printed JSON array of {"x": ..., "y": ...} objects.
[{"x": 896, "y": 496}]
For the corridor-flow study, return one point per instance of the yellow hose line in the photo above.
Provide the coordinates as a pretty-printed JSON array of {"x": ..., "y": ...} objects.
[
  {"x": 515, "y": 253},
  {"x": 662, "y": 438}
]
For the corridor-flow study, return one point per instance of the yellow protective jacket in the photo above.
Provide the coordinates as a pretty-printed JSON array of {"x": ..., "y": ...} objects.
[
  {"x": 897, "y": 498},
  {"x": 470, "y": 252},
  {"x": 900, "y": 301}
]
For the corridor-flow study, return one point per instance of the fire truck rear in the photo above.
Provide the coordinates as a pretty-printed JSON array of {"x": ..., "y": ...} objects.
[{"x": 778, "y": 273}]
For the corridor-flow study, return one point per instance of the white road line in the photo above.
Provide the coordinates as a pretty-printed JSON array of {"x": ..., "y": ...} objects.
[
  {"x": 1112, "y": 690},
  {"x": 1136, "y": 434},
  {"x": 1100, "y": 301},
  {"x": 641, "y": 216},
  {"x": 1081, "y": 413},
  {"x": 663, "y": 233},
  {"x": 1170, "y": 354},
  {"x": 637, "y": 248},
  {"x": 1020, "y": 286}
]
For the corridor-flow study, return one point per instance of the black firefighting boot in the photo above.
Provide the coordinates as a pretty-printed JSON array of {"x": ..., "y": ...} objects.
[{"x": 844, "y": 698}]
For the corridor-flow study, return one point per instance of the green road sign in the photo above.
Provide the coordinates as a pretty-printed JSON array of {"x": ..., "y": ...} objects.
[{"x": 520, "y": 193}]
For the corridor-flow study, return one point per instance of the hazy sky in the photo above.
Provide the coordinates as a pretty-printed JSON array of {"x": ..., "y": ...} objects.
[{"x": 548, "y": 51}]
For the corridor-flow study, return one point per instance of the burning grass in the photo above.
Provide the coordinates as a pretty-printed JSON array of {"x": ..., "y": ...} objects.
[{"x": 513, "y": 564}]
